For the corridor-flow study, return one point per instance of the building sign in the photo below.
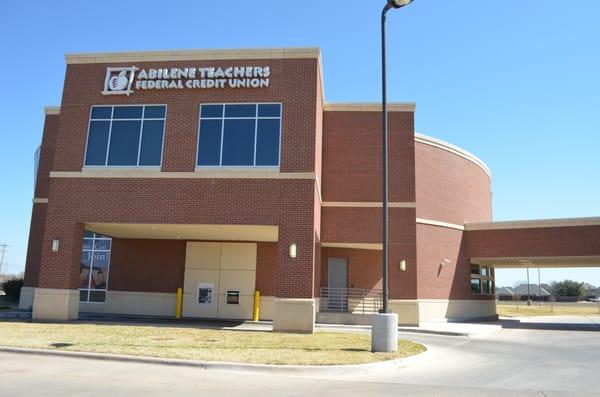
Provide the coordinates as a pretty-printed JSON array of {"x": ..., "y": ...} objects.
[{"x": 126, "y": 80}]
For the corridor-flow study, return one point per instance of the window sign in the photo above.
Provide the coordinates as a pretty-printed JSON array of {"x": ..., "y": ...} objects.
[
  {"x": 125, "y": 136},
  {"x": 239, "y": 135},
  {"x": 93, "y": 267},
  {"x": 205, "y": 293}
]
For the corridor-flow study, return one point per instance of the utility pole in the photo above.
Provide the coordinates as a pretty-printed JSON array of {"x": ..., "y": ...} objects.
[
  {"x": 540, "y": 287},
  {"x": 3, "y": 248},
  {"x": 528, "y": 291}
]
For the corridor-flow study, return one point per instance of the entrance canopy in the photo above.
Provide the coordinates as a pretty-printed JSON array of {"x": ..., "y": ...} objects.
[
  {"x": 558, "y": 261},
  {"x": 187, "y": 232},
  {"x": 537, "y": 243}
]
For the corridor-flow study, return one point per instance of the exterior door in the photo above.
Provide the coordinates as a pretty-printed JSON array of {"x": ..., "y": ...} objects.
[{"x": 337, "y": 275}]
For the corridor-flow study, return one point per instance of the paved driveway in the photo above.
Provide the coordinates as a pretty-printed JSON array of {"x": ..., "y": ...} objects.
[{"x": 510, "y": 362}]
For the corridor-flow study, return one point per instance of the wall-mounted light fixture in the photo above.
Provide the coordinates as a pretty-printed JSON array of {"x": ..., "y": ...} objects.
[
  {"x": 445, "y": 262},
  {"x": 55, "y": 244},
  {"x": 403, "y": 265},
  {"x": 293, "y": 250}
]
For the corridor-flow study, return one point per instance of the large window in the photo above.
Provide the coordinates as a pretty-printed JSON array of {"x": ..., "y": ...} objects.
[
  {"x": 94, "y": 266},
  {"x": 482, "y": 280},
  {"x": 239, "y": 135},
  {"x": 125, "y": 136}
]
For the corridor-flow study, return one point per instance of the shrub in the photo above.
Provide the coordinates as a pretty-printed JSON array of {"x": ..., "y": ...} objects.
[
  {"x": 12, "y": 287},
  {"x": 567, "y": 288}
]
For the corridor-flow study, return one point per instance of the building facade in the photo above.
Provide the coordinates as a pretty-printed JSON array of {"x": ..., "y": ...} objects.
[{"x": 226, "y": 172}]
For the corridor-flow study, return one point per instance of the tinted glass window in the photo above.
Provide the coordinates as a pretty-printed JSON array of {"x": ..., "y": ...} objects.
[
  {"x": 240, "y": 110},
  {"x": 152, "y": 139},
  {"x": 97, "y": 143},
  {"x": 212, "y": 111},
  {"x": 209, "y": 145},
  {"x": 124, "y": 143},
  {"x": 239, "y": 135},
  {"x": 269, "y": 110},
  {"x": 128, "y": 112},
  {"x": 267, "y": 142},
  {"x": 126, "y": 139},
  {"x": 154, "y": 112},
  {"x": 238, "y": 142},
  {"x": 103, "y": 112}
]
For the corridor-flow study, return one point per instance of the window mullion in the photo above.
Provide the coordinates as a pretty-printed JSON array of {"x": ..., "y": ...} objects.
[
  {"x": 139, "y": 153},
  {"x": 112, "y": 111},
  {"x": 255, "y": 134},
  {"x": 222, "y": 137}
]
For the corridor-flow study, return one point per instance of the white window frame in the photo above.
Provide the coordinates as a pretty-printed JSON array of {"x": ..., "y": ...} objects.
[
  {"x": 223, "y": 118},
  {"x": 142, "y": 119}
]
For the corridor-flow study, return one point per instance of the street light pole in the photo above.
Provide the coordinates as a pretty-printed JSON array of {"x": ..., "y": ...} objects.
[{"x": 384, "y": 332}]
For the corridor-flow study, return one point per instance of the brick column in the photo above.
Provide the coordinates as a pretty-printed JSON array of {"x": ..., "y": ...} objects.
[
  {"x": 57, "y": 295},
  {"x": 295, "y": 303}
]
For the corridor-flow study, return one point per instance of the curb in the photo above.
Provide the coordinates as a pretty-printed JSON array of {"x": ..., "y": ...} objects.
[
  {"x": 353, "y": 369},
  {"x": 400, "y": 330}
]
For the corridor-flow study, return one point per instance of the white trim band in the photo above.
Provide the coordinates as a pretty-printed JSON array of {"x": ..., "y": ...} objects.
[
  {"x": 368, "y": 107},
  {"x": 50, "y": 110},
  {"x": 37, "y": 200},
  {"x": 204, "y": 174},
  {"x": 367, "y": 204},
  {"x": 534, "y": 223},
  {"x": 431, "y": 222},
  {"x": 193, "y": 55}
]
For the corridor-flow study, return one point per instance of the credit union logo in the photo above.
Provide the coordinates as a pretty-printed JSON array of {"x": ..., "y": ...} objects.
[{"x": 119, "y": 80}]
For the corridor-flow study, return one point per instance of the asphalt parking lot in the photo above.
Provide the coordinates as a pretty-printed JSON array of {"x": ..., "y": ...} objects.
[{"x": 515, "y": 362}]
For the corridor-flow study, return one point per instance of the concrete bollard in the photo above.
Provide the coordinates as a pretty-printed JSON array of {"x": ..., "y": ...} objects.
[{"x": 384, "y": 333}]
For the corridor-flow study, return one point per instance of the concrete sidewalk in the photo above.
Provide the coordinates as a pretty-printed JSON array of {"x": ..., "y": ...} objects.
[{"x": 433, "y": 328}]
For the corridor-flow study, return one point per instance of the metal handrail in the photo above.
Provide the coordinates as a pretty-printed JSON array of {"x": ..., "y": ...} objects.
[{"x": 351, "y": 300}]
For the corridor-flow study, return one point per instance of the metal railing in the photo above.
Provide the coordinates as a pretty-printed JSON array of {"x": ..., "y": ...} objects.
[{"x": 350, "y": 300}]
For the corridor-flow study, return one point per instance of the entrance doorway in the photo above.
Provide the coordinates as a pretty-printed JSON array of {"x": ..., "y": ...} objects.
[{"x": 337, "y": 278}]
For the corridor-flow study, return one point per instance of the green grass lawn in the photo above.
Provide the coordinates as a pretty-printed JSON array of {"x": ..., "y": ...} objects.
[
  {"x": 324, "y": 348},
  {"x": 522, "y": 310}
]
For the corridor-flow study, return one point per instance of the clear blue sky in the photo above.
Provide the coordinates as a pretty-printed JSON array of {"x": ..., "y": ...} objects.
[{"x": 515, "y": 82}]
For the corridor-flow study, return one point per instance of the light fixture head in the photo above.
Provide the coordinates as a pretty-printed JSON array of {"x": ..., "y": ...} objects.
[
  {"x": 403, "y": 265},
  {"x": 399, "y": 3},
  {"x": 293, "y": 250},
  {"x": 55, "y": 244}
]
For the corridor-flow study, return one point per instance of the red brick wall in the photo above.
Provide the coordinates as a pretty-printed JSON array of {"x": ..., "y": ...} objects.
[
  {"x": 284, "y": 202},
  {"x": 293, "y": 82},
  {"x": 34, "y": 246},
  {"x": 352, "y": 165},
  {"x": 364, "y": 266},
  {"x": 47, "y": 149},
  {"x": 450, "y": 281},
  {"x": 450, "y": 188},
  {"x": 39, "y": 210},
  {"x": 550, "y": 241},
  {"x": 266, "y": 269},
  {"x": 146, "y": 265}
]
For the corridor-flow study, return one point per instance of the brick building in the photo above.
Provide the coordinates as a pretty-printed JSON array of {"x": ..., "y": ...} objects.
[{"x": 226, "y": 172}]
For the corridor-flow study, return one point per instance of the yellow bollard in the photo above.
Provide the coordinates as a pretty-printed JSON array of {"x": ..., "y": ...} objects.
[
  {"x": 256, "y": 312},
  {"x": 179, "y": 302}
]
